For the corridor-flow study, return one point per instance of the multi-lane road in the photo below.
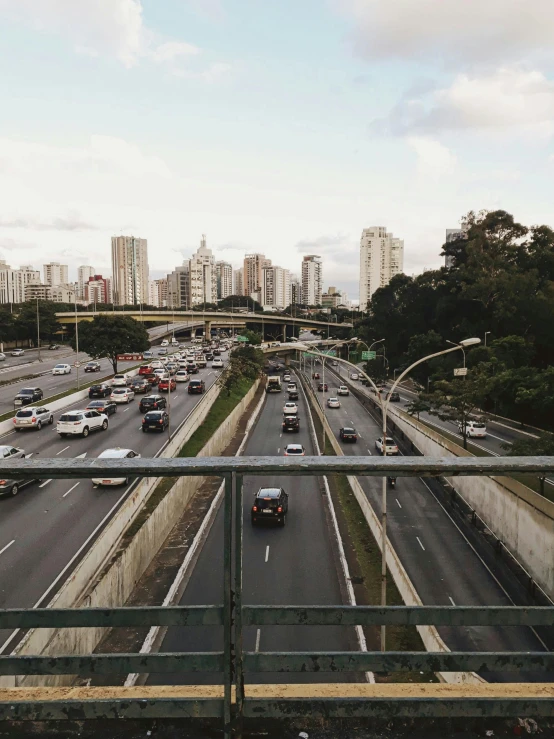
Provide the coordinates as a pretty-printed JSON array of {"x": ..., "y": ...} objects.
[
  {"x": 294, "y": 565},
  {"x": 47, "y": 527}
]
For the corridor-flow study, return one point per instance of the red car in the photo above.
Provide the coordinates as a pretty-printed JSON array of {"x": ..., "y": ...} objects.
[
  {"x": 145, "y": 369},
  {"x": 167, "y": 385},
  {"x": 315, "y": 376},
  {"x": 152, "y": 378},
  {"x": 322, "y": 387}
]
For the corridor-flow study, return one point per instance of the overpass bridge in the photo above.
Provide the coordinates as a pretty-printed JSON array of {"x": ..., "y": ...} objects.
[{"x": 212, "y": 319}]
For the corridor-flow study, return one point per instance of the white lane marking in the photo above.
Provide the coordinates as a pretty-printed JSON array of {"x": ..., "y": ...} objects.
[
  {"x": 7, "y": 546},
  {"x": 62, "y": 450},
  {"x": 70, "y": 489},
  {"x": 278, "y": 449},
  {"x": 258, "y": 635},
  {"x": 45, "y": 483},
  {"x": 420, "y": 544},
  {"x": 504, "y": 441},
  {"x": 400, "y": 506},
  {"x": 267, "y": 553},
  {"x": 125, "y": 410},
  {"x": 450, "y": 599},
  {"x": 360, "y": 436},
  {"x": 369, "y": 452}
]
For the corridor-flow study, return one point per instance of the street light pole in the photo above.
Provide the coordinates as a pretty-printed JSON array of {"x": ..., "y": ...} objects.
[
  {"x": 486, "y": 333},
  {"x": 77, "y": 344},
  {"x": 38, "y": 333}
]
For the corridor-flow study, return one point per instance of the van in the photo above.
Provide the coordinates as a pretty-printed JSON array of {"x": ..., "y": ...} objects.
[{"x": 165, "y": 342}]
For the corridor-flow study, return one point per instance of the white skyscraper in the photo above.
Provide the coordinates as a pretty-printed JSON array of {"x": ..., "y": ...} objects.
[
  {"x": 224, "y": 275},
  {"x": 381, "y": 258},
  {"x": 203, "y": 278},
  {"x": 276, "y": 287},
  {"x": 238, "y": 280},
  {"x": 252, "y": 273},
  {"x": 129, "y": 270},
  {"x": 55, "y": 274},
  {"x": 312, "y": 280},
  {"x": 84, "y": 273}
]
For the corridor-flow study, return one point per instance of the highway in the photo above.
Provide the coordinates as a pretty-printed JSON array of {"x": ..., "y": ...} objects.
[
  {"x": 45, "y": 528},
  {"x": 439, "y": 558},
  {"x": 294, "y": 565}
]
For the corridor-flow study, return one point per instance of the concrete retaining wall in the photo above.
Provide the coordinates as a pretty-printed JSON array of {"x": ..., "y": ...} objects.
[
  {"x": 109, "y": 583},
  {"x": 429, "y": 634}
]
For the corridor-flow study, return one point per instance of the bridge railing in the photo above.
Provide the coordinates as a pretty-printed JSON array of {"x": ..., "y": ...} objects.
[{"x": 231, "y": 699}]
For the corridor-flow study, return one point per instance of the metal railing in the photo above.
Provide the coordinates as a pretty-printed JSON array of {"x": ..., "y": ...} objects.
[{"x": 236, "y": 701}]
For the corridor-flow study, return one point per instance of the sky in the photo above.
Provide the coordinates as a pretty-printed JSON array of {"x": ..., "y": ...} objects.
[{"x": 277, "y": 127}]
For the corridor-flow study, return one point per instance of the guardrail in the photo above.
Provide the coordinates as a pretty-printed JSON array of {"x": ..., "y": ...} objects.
[{"x": 237, "y": 700}]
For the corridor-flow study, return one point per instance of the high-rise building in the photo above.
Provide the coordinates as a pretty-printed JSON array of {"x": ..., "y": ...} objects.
[
  {"x": 224, "y": 276},
  {"x": 178, "y": 287},
  {"x": 157, "y": 295},
  {"x": 276, "y": 291},
  {"x": 84, "y": 273},
  {"x": 452, "y": 234},
  {"x": 252, "y": 274},
  {"x": 203, "y": 279},
  {"x": 295, "y": 291},
  {"x": 381, "y": 258},
  {"x": 97, "y": 289},
  {"x": 55, "y": 274},
  {"x": 238, "y": 279},
  {"x": 312, "y": 280},
  {"x": 129, "y": 270}
]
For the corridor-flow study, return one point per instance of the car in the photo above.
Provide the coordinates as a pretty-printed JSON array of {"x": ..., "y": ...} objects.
[
  {"x": 120, "y": 380},
  {"x": 92, "y": 367},
  {"x": 61, "y": 369},
  {"x": 315, "y": 376},
  {"x": 209, "y": 356},
  {"x": 167, "y": 385},
  {"x": 152, "y": 403},
  {"x": 290, "y": 408},
  {"x": 182, "y": 376},
  {"x": 28, "y": 395},
  {"x": 394, "y": 397},
  {"x": 217, "y": 352},
  {"x": 162, "y": 352},
  {"x": 155, "y": 421},
  {"x": 474, "y": 429},
  {"x": 156, "y": 364},
  {"x": 140, "y": 385},
  {"x": 322, "y": 387},
  {"x": 12, "y": 487},
  {"x": 81, "y": 422},
  {"x": 196, "y": 386},
  {"x": 152, "y": 379},
  {"x": 291, "y": 423},
  {"x": 172, "y": 368},
  {"x": 293, "y": 394},
  {"x": 161, "y": 373},
  {"x": 333, "y": 403},
  {"x": 201, "y": 362},
  {"x": 334, "y": 364},
  {"x": 147, "y": 355},
  {"x": 2, "y": 357},
  {"x": 32, "y": 417},
  {"x": 347, "y": 433},
  {"x": 116, "y": 453},
  {"x": 343, "y": 390},
  {"x": 165, "y": 342},
  {"x": 294, "y": 450},
  {"x": 391, "y": 446},
  {"x": 102, "y": 390},
  {"x": 108, "y": 407},
  {"x": 217, "y": 364},
  {"x": 192, "y": 368},
  {"x": 53, "y": 347},
  {"x": 122, "y": 395},
  {"x": 146, "y": 369},
  {"x": 354, "y": 376},
  {"x": 271, "y": 505},
  {"x": 286, "y": 377},
  {"x": 17, "y": 353}
]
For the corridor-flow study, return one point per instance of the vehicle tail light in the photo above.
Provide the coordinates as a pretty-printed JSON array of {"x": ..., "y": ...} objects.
[
  {"x": 254, "y": 508},
  {"x": 76, "y": 423},
  {"x": 161, "y": 420},
  {"x": 279, "y": 509},
  {"x": 2, "y": 482},
  {"x": 34, "y": 420},
  {"x": 14, "y": 420}
]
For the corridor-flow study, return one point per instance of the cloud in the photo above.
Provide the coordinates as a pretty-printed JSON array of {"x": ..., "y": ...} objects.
[
  {"x": 508, "y": 98},
  {"x": 434, "y": 160},
  {"x": 336, "y": 245},
  {"x": 172, "y": 51},
  {"x": 72, "y": 222},
  {"x": 472, "y": 32}
]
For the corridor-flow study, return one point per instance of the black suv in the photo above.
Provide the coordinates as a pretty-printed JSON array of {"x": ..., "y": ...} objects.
[
  {"x": 196, "y": 386},
  {"x": 348, "y": 434},
  {"x": 28, "y": 395},
  {"x": 152, "y": 403},
  {"x": 155, "y": 421},
  {"x": 271, "y": 505},
  {"x": 102, "y": 390},
  {"x": 393, "y": 397},
  {"x": 293, "y": 394},
  {"x": 291, "y": 423},
  {"x": 92, "y": 367}
]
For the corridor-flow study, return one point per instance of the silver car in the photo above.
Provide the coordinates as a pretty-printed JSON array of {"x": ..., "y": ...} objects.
[{"x": 32, "y": 417}]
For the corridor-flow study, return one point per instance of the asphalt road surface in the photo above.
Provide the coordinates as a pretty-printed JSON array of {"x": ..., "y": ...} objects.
[
  {"x": 293, "y": 565},
  {"x": 45, "y": 528},
  {"x": 438, "y": 557}
]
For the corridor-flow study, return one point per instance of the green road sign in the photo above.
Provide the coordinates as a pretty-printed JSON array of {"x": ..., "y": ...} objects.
[
  {"x": 369, "y": 355},
  {"x": 242, "y": 338}
]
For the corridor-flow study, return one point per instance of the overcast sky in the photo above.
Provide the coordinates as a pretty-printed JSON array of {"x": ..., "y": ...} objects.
[{"x": 282, "y": 127}]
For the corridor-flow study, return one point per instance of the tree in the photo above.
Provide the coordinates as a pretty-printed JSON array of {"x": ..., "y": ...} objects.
[
  {"x": 417, "y": 406},
  {"x": 108, "y": 336},
  {"x": 253, "y": 337},
  {"x": 239, "y": 301},
  {"x": 458, "y": 400},
  {"x": 26, "y": 320},
  {"x": 542, "y": 446},
  {"x": 244, "y": 363}
]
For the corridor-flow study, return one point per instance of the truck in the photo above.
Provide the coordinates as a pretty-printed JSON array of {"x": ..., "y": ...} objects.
[{"x": 273, "y": 384}]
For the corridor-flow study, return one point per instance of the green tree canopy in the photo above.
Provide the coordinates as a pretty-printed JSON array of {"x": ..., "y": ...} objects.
[{"x": 108, "y": 336}]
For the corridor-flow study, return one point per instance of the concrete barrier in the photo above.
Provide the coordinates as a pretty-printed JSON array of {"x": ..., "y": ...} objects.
[
  {"x": 108, "y": 574},
  {"x": 429, "y": 634}
]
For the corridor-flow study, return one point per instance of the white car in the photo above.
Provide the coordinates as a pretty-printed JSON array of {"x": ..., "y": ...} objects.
[
  {"x": 474, "y": 429},
  {"x": 2, "y": 357},
  {"x": 81, "y": 422},
  {"x": 392, "y": 447},
  {"x": 182, "y": 376},
  {"x": 156, "y": 364},
  {"x": 122, "y": 395},
  {"x": 217, "y": 364},
  {"x": 286, "y": 377},
  {"x": 343, "y": 390},
  {"x": 165, "y": 342},
  {"x": 333, "y": 403},
  {"x": 291, "y": 387},
  {"x": 61, "y": 369},
  {"x": 354, "y": 376},
  {"x": 294, "y": 450},
  {"x": 290, "y": 409},
  {"x": 116, "y": 453},
  {"x": 17, "y": 353},
  {"x": 119, "y": 380},
  {"x": 161, "y": 372}
]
